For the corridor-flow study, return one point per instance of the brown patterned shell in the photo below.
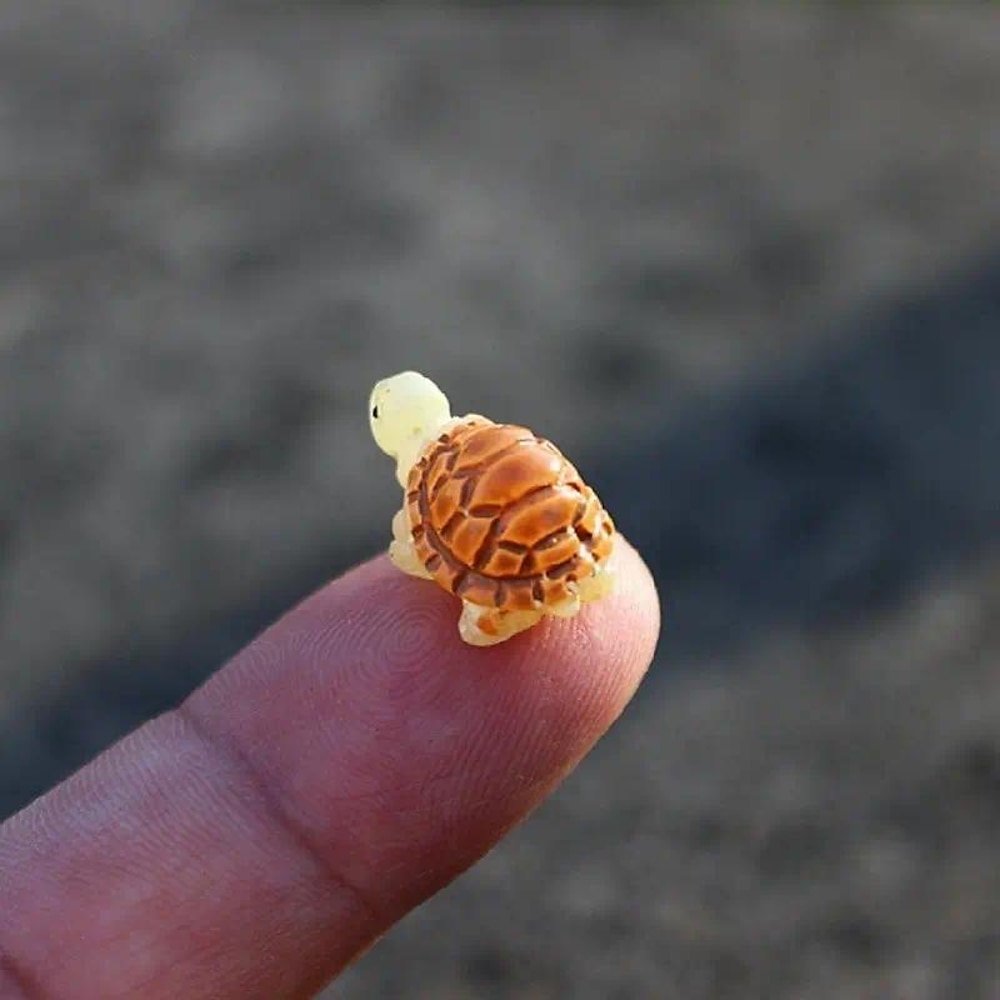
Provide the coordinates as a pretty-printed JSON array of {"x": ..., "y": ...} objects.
[{"x": 501, "y": 518}]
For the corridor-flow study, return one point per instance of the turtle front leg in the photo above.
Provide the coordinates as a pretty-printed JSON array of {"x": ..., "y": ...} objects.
[
  {"x": 401, "y": 550},
  {"x": 481, "y": 626}
]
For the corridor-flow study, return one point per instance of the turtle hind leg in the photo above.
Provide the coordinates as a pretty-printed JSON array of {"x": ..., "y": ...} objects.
[
  {"x": 600, "y": 584},
  {"x": 401, "y": 550},
  {"x": 566, "y": 608},
  {"x": 481, "y": 626}
]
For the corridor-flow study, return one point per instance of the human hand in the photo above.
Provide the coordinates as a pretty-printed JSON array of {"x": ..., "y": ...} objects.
[{"x": 345, "y": 766}]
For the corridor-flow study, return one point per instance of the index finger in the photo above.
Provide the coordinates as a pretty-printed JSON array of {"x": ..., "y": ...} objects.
[{"x": 346, "y": 765}]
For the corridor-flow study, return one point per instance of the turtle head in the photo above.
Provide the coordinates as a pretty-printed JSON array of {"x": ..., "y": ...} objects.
[{"x": 405, "y": 411}]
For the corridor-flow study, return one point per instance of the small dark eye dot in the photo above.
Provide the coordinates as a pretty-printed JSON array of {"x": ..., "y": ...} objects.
[{"x": 375, "y": 412}]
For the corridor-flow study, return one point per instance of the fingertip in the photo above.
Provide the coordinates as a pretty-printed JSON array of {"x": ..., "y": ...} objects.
[
  {"x": 619, "y": 630},
  {"x": 609, "y": 644},
  {"x": 586, "y": 669}
]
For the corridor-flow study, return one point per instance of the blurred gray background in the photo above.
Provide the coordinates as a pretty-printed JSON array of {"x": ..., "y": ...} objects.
[{"x": 740, "y": 261}]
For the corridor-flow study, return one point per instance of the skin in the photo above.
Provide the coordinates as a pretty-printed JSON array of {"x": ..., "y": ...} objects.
[
  {"x": 406, "y": 412},
  {"x": 345, "y": 766}
]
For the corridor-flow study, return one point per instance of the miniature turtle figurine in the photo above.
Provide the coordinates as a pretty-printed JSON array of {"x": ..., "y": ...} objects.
[{"x": 492, "y": 513}]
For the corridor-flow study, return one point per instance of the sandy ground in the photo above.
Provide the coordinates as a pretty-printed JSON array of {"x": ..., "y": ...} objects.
[{"x": 742, "y": 264}]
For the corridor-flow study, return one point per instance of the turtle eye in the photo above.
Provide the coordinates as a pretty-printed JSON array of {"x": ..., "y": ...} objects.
[{"x": 375, "y": 413}]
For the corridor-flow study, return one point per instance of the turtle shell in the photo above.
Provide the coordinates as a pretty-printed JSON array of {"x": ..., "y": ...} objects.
[{"x": 500, "y": 518}]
